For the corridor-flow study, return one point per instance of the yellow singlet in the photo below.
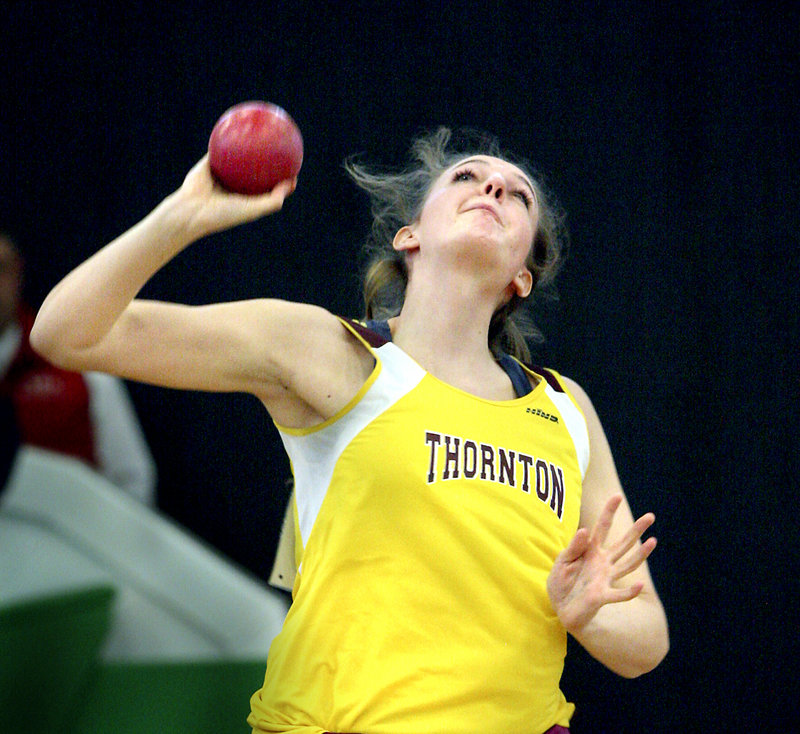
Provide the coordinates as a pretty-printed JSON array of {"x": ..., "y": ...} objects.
[{"x": 427, "y": 522}]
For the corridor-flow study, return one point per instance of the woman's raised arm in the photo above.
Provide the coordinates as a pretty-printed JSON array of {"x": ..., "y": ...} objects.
[
  {"x": 81, "y": 310},
  {"x": 92, "y": 321}
]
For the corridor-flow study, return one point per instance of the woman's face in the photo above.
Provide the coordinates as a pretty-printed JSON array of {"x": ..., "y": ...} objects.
[{"x": 481, "y": 210}]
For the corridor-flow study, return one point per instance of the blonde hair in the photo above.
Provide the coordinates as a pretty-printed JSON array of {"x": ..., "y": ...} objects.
[{"x": 397, "y": 199}]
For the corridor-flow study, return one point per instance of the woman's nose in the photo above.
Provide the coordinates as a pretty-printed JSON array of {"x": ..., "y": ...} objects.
[{"x": 495, "y": 186}]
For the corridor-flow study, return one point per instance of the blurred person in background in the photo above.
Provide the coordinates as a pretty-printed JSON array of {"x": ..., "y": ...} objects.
[{"x": 89, "y": 416}]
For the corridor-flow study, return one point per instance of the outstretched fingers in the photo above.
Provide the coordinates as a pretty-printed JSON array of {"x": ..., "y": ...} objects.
[
  {"x": 603, "y": 525},
  {"x": 630, "y": 538},
  {"x": 614, "y": 595},
  {"x": 577, "y": 546},
  {"x": 636, "y": 559}
]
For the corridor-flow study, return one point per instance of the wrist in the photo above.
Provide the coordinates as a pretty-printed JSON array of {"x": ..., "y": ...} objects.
[{"x": 176, "y": 218}]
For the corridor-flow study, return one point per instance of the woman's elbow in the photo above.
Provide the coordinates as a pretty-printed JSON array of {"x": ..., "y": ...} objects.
[
  {"x": 47, "y": 340},
  {"x": 661, "y": 650},
  {"x": 650, "y": 658},
  {"x": 43, "y": 340}
]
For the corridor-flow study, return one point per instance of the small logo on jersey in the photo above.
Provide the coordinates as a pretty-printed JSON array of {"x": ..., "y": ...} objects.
[{"x": 542, "y": 414}]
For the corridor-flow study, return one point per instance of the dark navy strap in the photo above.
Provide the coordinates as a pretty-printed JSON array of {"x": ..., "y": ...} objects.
[
  {"x": 381, "y": 328},
  {"x": 517, "y": 375}
]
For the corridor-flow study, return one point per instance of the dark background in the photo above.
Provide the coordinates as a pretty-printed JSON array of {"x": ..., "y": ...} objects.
[{"x": 668, "y": 136}]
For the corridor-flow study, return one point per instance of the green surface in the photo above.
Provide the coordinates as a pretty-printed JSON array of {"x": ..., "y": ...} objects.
[
  {"x": 48, "y": 652},
  {"x": 52, "y": 679},
  {"x": 201, "y": 698}
]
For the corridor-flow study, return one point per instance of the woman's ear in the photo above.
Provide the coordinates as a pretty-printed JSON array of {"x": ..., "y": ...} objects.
[
  {"x": 522, "y": 283},
  {"x": 405, "y": 240}
]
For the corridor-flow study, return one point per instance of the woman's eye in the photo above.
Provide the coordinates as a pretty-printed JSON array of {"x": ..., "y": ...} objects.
[
  {"x": 463, "y": 175},
  {"x": 525, "y": 197}
]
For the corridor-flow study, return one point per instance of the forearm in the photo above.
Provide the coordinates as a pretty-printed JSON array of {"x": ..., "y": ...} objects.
[
  {"x": 84, "y": 306},
  {"x": 630, "y": 638}
]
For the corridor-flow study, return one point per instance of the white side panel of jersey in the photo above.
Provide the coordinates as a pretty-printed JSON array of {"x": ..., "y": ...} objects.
[
  {"x": 575, "y": 423},
  {"x": 314, "y": 455}
]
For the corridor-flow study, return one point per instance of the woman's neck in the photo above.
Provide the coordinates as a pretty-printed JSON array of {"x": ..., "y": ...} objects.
[{"x": 446, "y": 330}]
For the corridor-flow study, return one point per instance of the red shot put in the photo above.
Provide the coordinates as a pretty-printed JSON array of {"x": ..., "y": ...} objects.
[{"x": 254, "y": 146}]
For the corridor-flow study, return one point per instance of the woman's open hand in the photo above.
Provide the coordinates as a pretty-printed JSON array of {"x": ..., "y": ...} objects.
[{"x": 584, "y": 575}]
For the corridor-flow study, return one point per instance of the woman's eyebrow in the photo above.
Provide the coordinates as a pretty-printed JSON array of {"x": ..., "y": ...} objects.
[{"x": 520, "y": 178}]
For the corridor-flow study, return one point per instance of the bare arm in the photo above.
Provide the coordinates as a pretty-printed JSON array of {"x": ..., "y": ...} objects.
[
  {"x": 92, "y": 320},
  {"x": 600, "y": 585}
]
